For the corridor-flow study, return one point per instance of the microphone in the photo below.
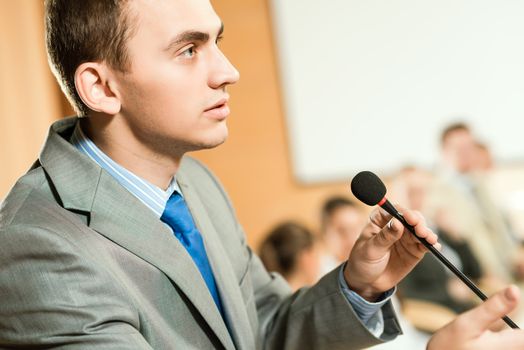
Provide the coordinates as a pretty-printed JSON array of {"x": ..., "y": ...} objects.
[{"x": 368, "y": 188}]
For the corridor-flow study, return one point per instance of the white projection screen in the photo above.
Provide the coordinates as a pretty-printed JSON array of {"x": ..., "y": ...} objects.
[{"x": 369, "y": 84}]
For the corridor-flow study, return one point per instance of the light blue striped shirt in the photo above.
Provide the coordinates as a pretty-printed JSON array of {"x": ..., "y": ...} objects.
[
  {"x": 152, "y": 196},
  {"x": 155, "y": 199}
]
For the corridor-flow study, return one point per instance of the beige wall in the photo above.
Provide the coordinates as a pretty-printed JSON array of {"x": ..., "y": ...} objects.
[
  {"x": 254, "y": 164},
  {"x": 29, "y": 97}
]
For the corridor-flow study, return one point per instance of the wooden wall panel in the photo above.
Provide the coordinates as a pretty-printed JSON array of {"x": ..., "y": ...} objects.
[{"x": 29, "y": 96}]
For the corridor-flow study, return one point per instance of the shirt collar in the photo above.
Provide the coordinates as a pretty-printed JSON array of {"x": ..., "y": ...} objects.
[{"x": 151, "y": 195}]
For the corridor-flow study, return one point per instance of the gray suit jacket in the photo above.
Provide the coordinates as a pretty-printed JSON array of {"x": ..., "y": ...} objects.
[{"x": 84, "y": 264}]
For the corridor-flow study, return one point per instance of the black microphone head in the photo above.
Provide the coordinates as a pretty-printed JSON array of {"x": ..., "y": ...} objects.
[{"x": 368, "y": 188}]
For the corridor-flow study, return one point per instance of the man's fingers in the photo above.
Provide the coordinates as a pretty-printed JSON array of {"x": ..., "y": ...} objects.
[
  {"x": 379, "y": 217},
  {"x": 391, "y": 233},
  {"x": 415, "y": 219},
  {"x": 476, "y": 321},
  {"x": 388, "y": 230},
  {"x": 425, "y": 232}
]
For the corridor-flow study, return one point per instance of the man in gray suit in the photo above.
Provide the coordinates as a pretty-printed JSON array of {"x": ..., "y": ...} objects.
[{"x": 114, "y": 240}]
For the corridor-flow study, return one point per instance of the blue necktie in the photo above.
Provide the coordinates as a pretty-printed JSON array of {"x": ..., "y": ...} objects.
[{"x": 178, "y": 217}]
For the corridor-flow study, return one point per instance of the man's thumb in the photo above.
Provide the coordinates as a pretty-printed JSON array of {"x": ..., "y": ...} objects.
[{"x": 483, "y": 316}]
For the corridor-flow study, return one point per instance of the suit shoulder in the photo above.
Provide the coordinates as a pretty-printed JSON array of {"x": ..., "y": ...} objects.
[
  {"x": 32, "y": 203},
  {"x": 26, "y": 187}
]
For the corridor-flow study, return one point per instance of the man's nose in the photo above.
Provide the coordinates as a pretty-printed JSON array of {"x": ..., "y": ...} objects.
[{"x": 223, "y": 72}]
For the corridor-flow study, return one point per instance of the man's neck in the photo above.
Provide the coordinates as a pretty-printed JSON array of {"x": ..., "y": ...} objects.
[{"x": 120, "y": 145}]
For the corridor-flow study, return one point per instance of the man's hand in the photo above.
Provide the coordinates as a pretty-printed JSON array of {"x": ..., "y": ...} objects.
[
  {"x": 385, "y": 252},
  {"x": 470, "y": 329}
]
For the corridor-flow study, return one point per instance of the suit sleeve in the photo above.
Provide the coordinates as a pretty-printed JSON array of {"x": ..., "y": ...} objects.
[
  {"x": 319, "y": 317},
  {"x": 53, "y": 297}
]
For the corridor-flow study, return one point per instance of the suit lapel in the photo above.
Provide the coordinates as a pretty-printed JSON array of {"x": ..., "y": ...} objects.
[
  {"x": 230, "y": 294},
  {"x": 135, "y": 228},
  {"x": 122, "y": 218}
]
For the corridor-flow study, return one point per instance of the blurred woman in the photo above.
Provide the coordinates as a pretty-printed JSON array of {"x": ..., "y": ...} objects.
[{"x": 291, "y": 250}]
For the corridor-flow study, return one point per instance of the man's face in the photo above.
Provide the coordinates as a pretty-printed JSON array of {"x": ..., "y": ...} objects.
[
  {"x": 416, "y": 185},
  {"x": 483, "y": 159},
  {"x": 342, "y": 230},
  {"x": 174, "y": 96},
  {"x": 459, "y": 150}
]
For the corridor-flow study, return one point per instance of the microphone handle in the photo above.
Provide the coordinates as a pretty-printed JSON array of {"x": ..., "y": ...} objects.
[{"x": 387, "y": 206}]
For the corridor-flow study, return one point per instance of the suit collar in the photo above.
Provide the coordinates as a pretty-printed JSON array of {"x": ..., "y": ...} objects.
[
  {"x": 118, "y": 215},
  {"x": 72, "y": 174}
]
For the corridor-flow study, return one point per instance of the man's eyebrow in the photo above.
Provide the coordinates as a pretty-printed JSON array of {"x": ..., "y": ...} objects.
[{"x": 191, "y": 35}]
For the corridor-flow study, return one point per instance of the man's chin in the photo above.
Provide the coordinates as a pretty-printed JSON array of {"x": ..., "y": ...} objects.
[
  {"x": 214, "y": 144},
  {"x": 209, "y": 144}
]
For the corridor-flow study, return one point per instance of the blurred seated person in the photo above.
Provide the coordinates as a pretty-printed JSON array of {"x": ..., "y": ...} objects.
[
  {"x": 341, "y": 220},
  {"x": 483, "y": 158},
  {"x": 291, "y": 250},
  {"x": 483, "y": 168},
  {"x": 430, "y": 281},
  {"x": 460, "y": 191}
]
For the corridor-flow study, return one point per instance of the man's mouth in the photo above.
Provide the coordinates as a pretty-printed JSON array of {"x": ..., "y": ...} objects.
[{"x": 219, "y": 110}]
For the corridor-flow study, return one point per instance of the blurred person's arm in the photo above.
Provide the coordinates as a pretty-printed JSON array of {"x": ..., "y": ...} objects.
[{"x": 470, "y": 330}]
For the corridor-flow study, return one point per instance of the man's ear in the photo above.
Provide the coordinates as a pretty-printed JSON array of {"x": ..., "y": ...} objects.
[{"x": 96, "y": 89}]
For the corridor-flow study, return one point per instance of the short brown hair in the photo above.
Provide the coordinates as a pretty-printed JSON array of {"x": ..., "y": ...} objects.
[
  {"x": 79, "y": 31},
  {"x": 281, "y": 249},
  {"x": 448, "y": 130},
  {"x": 331, "y": 205}
]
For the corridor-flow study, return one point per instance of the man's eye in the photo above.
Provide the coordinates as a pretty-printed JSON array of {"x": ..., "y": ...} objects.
[
  {"x": 219, "y": 39},
  {"x": 189, "y": 52}
]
